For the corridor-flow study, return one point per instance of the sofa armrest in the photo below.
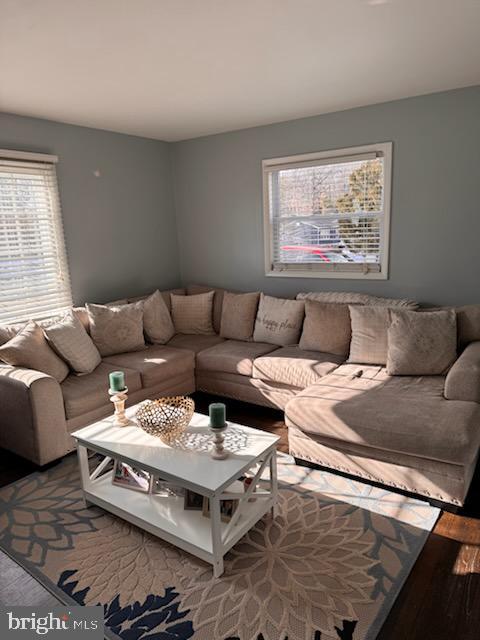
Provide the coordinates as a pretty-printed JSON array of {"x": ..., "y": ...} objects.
[
  {"x": 463, "y": 379},
  {"x": 32, "y": 415}
]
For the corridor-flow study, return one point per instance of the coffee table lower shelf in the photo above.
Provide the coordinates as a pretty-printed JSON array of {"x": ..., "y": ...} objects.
[{"x": 164, "y": 516}]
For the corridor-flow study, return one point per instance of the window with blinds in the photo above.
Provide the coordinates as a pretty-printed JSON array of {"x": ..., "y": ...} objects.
[
  {"x": 327, "y": 214},
  {"x": 34, "y": 278}
]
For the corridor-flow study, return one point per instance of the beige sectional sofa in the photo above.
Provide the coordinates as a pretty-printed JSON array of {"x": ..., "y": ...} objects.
[{"x": 401, "y": 431}]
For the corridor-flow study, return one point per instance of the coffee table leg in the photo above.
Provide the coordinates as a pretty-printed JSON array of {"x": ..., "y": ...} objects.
[
  {"x": 84, "y": 470},
  {"x": 217, "y": 546},
  {"x": 274, "y": 483}
]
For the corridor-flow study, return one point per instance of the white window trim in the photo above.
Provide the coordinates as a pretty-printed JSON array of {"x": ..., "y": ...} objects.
[{"x": 383, "y": 148}]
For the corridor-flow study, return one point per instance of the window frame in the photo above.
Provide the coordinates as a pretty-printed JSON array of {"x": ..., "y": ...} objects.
[
  {"x": 35, "y": 161},
  {"x": 382, "y": 148}
]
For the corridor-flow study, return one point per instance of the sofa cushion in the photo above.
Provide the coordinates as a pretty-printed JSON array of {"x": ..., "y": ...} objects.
[
  {"x": 232, "y": 356},
  {"x": 30, "y": 349},
  {"x": 157, "y": 322},
  {"x": 156, "y": 363},
  {"x": 421, "y": 343},
  {"x": 193, "y": 314},
  {"x": 194, "y": 343},
  {"x": 87, "y": 393},
  {"x": 294, "y": 366},
  {"x": 116, "y": 329},
  {"x": 279, "y": 321},
  {"x": 195, "y": 289},
  {"x": 238, "y": 315},
  {"x": 326, "y": 328},
  {"x": 369, "y": 344},
  {"x": 403, "y": 414},
  {"x": 73, "y": 344}
]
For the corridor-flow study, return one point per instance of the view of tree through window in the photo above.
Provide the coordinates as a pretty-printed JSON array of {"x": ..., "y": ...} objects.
[{"x": 329, "y": 213}]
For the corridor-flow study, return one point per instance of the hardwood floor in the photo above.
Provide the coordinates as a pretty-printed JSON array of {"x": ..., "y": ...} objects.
[{"x": 439, "y": 601}]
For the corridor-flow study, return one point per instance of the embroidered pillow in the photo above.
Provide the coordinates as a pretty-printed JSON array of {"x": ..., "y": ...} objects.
[
  {"x": 116, "y": 329},
  {"x": 157, "y": 322},
  {"x": 279, "y": 321},
  {"x": 238, "y": 315},
  {"x": 73, "y": 344}
]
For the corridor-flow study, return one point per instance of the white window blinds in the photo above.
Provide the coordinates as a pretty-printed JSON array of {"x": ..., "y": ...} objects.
[
  {"x": 328, "y": 213},
  {"x": 34, "y": 278}
]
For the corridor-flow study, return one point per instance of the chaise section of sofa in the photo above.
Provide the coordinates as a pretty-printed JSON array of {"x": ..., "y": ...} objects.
[{"x": 395, "y": 430}]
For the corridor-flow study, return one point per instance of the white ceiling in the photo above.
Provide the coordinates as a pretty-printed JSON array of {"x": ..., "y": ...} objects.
[{"x": 176, "y": 69}]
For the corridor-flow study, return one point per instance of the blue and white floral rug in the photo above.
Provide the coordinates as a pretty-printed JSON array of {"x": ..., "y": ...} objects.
[{"x": 329, "y": 566}]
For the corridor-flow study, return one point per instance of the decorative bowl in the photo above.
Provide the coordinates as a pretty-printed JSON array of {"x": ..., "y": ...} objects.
[{"x": 166, "y": 418}]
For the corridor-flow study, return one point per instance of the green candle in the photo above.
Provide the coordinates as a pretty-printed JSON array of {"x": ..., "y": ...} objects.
[
  {"x": 117, "y": 381},
  {"x": 216, "y": 411}
]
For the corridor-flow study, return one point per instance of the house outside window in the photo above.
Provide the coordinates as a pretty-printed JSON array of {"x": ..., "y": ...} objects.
[
  {"x": 327, "y": 214},
  {"x": 34, "y": 276}
]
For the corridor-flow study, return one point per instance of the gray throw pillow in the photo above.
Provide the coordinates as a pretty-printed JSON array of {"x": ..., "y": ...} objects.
[
  {"x": 279, "y": 321},
  {"x": 238, "y": 315},
  {"x": 73, "y": 344},
  {"x": 326, "y": 328},
  {"x": 421, "y": 344},
  {"x": 30, "y": 349},
  {"x": 157, "y": 322},
  {"x": 116, "y": 329},
  {"x": 369, "y": 344},
  {"x": 193, "y": 314}
]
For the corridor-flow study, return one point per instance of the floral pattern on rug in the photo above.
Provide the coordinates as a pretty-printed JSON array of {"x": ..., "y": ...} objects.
[{"x": 329, "y": 566}]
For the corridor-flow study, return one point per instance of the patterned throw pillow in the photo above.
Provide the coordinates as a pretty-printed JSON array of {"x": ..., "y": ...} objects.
[
  {"x": 73, "y": 344},
  {"x": 157, "y": 322},
  {"x": 421, "y": 344},
  {"x": 116, "y": 329},
  {"x": 238, "y": 315},
  {"x": 369, "y": 344},
  {"x": 279, "y": 321},
  {"x": 30, "y": 349},
  {"x": 193, "y": 314}
]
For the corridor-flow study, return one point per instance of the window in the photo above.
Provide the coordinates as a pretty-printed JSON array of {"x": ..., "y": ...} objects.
[
  {"x": 327, "y": 214},
  {"x": 34, "y": 279}
]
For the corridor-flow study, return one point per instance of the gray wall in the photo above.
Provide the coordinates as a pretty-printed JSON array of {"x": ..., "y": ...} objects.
[
  {"x": 435, "y": 235},
  {"x": 120, "y": 228}
]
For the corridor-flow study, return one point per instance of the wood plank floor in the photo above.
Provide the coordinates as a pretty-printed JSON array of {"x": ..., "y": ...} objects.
[{"x": 439, "y": 601}]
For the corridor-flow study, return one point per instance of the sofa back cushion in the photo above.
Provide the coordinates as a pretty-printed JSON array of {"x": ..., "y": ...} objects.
[
  {"x": 239, "y": 311},
  {"x": 73, "y": 344},
  {"x": 30, "y": 349},
  {"x": 326, "y": 328},
  {"x": 369, "y": 343},
  {"x": 192, "y": 314},
  {"x": 350, "y": 297},
  {"x": 279, "y": 321},
  {"x": 116, "y": 329},
  {"x": 195, "y": 289},
  {"x": 421, "y": 344},
  {"x": 157, "y": 322},
  {"x": 468, "y": 324}
]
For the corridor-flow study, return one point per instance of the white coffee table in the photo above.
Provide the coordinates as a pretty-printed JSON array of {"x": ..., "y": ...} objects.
[{"x": 188, "y": 464}]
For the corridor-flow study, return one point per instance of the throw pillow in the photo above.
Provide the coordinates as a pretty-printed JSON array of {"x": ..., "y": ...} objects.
[
  {"x": 279, "y": 321},
  {"x": 193, "y": 314},
  {"x": 157, "y": 322},
  {"x": 9, "y": 331},
  {"x": 326, "y": 328},
  {"x": 195, "y": 289},
  {"x": 30, "y": 349},
  {"x": 369, "y": 344},
  {"x": 116, "y": 329},
  {"x": 73, "y": 344},
  {"x": 421, "y": 344},
  {"x": 238, "y": 315}
]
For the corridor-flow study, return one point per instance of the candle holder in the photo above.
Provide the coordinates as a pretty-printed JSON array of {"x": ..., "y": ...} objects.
[
  {"x": 218, "y": 452},
  {"x": 119, "y": 398}
]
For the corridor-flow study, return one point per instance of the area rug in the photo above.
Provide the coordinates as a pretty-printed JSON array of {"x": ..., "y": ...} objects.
[{"x": 329, "y": 566}]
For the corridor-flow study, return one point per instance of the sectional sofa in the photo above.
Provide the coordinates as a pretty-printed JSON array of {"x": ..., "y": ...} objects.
[{"x": 420, "y": 434}]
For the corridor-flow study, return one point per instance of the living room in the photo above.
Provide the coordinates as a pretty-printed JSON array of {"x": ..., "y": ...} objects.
[{"x": 240, "y": 319}]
